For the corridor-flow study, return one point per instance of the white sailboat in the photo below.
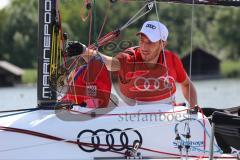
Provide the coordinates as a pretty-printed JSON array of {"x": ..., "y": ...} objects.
[{"x": 63, "y": 131}]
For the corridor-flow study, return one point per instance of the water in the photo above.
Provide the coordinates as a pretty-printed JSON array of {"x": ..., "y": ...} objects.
[
  {"x": 220, "y": 93},
  {"x": 18, "y": 97}
]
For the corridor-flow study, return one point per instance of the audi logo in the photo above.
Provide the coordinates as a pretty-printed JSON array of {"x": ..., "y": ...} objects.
[
  {"x": 153, "y": 84},
  {"x": 104, "y": 140}
]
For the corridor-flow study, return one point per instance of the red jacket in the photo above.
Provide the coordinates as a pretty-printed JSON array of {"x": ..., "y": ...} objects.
[{"x": 89, "y": 84}]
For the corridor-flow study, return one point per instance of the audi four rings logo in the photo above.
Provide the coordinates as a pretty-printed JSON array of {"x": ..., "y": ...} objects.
[
  {"x": 153, "y": 84},
  {"x": 151, "y": 26},
  {"x": 104, "y": 140}
]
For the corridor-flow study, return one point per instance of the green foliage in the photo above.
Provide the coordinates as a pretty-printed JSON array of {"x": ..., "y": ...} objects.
[
  {"x": 230, "y": 68},
  {"x": 29, "y": 76},
  {"x": 3, "y": 16},
  {"x": 226, "y": 29},
  {"x": 214, "y": 28},
  {"x": 19, "y": 35}
]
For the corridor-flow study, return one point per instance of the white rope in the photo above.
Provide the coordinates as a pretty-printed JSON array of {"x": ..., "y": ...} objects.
[
  {"x": 137, "y": 16},
  {"x": 191, "y": 49},
  {"x": 190, "y": 67},
  {"x": 163, "y": 52}
]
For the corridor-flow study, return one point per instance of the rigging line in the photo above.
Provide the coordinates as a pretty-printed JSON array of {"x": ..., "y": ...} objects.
[
  {"x": 71, "y": 78},
  {"x": 58, "y": 40},
  {"x": 115, "y": 103},
  {"x": 95, "y": 22},
  {"x": 104, "y": 21},
  {"x": 18, "y": 110},
  {"x": 187, "y": 2},
  {"x": 131, "y": 19},
  {"x": 85, "y": 137},
  {"x": 84, "y": 18},
  {"x": 128, "y": 23},
  {"x": 190, "y": 71},
  {"x": 204, "y": 123},
  {"x": 163, "y": 51},
  {"x": 90, "y": 28},
  {"x": 63, "y": 52},
  {"x": 52, "y": 51},
  {"x": 58, "y": 53},
  {"x": 71, "y": 81},
  {"x": 137, "y": 16},
  {"x": 57, "y": 48},
  {"x": 51, "y": 62},
  {"x": 151, "y": 126},
  {"x": 42, "y": 135},
  {"x": 21, "y": 112},
  {"x": 111, "y": 35},
  {"x": 60, "y": 32},
  {"x": 61, "y": 48},
  {"x": 198, "y": 120},
  {"x": 114, "y": 34},
  {"x": 60, "y": 139},
  {"x": 191, "y": 47}
]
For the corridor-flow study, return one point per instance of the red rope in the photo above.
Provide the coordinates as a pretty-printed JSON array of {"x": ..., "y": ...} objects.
[
  {"x": 204, "y": 124},
  {"x": 90, "y": 29},
  {"x": 47, "y": 136},
  {"x": 104, "y": 21}
]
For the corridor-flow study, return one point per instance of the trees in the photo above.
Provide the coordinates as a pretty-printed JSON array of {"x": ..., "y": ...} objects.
[
  {"x": 226, "y": 31},
  {"x": 19, "y": 34},
  {"x": 214, "y": 29}
]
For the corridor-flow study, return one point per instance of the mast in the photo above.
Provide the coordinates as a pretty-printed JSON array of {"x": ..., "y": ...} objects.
[{"x": 47, "y": 14}]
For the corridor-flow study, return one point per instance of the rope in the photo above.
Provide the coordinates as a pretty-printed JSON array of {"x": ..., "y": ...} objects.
[
  {"x": 73, "y": 140},
  {"x": 190, "y": 65},
  {"x": 90, "y": 28},
  {"x": 21, "y": 111},
  {"x": 95, "y": 23},
  {"x": 191, "y": 48},
  {"x": 104, "y": 21},
  {"x": 137, "y": 16},
  {"x": 18, "y": 110},
  {"x": 163, "y": 51}
]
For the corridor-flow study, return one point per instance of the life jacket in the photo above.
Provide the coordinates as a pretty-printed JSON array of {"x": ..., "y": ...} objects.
[
  {"x": 141, "y": 83},
  {"x": 89, "y": 85}
]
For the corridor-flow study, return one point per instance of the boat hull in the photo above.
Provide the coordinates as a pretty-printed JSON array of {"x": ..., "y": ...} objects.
[{"x": 151, "y": 129}]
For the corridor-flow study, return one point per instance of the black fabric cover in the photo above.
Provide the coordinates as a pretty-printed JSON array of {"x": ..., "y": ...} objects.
[{"x": 227, "y": 130}]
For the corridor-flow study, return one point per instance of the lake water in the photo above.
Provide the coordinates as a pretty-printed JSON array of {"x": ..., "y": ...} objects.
[{"x": 219, "y": 93}]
